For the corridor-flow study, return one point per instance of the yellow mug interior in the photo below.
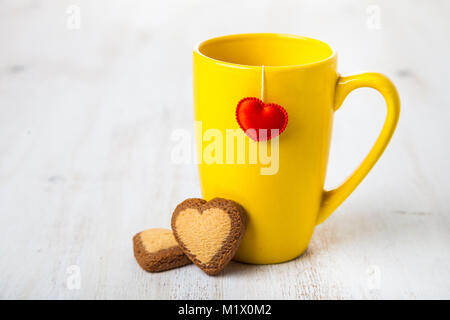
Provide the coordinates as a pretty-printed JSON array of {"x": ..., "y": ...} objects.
[{"x": 268, "y": 49}]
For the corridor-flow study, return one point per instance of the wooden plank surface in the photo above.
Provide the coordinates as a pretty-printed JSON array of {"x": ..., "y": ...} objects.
[{"x": 85, "y": 148}]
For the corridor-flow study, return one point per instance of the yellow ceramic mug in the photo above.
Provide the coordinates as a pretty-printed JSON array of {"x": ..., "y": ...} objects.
[{"x": 300, "y": 75}]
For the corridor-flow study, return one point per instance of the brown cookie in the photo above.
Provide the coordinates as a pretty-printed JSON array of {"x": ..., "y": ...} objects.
[
  {"x": 210, "y": 232},
  {"x": 156, "y": 250}
]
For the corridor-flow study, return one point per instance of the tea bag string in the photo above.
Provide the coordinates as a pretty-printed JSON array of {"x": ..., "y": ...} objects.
[{"x": 262, "y": 83}]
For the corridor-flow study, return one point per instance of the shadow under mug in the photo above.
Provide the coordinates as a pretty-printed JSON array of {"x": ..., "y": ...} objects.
[{"x": 299, "y": 74}]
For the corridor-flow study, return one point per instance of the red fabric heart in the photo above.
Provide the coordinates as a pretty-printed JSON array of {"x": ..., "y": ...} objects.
[{"x": 252, "y": 113}]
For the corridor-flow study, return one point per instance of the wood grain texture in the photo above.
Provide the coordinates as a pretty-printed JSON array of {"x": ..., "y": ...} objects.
[{"x": 85, "y": 149}]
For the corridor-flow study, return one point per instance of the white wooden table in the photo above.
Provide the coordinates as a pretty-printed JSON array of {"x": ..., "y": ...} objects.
[{"x": 86, "y": 117}]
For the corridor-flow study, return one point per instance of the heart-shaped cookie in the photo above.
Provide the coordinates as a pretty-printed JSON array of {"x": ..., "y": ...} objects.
[
  {"x": 157, "y": 250},
  {"x": 209, "y": 233},
  {"x": 252, "y": 113}
]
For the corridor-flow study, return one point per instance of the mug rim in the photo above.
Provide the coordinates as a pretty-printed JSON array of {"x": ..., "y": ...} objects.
[{"x": 229, "y": 37}]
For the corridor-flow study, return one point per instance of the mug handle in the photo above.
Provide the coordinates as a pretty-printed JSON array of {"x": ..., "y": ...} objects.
[{"x": 333, "y": 198}]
